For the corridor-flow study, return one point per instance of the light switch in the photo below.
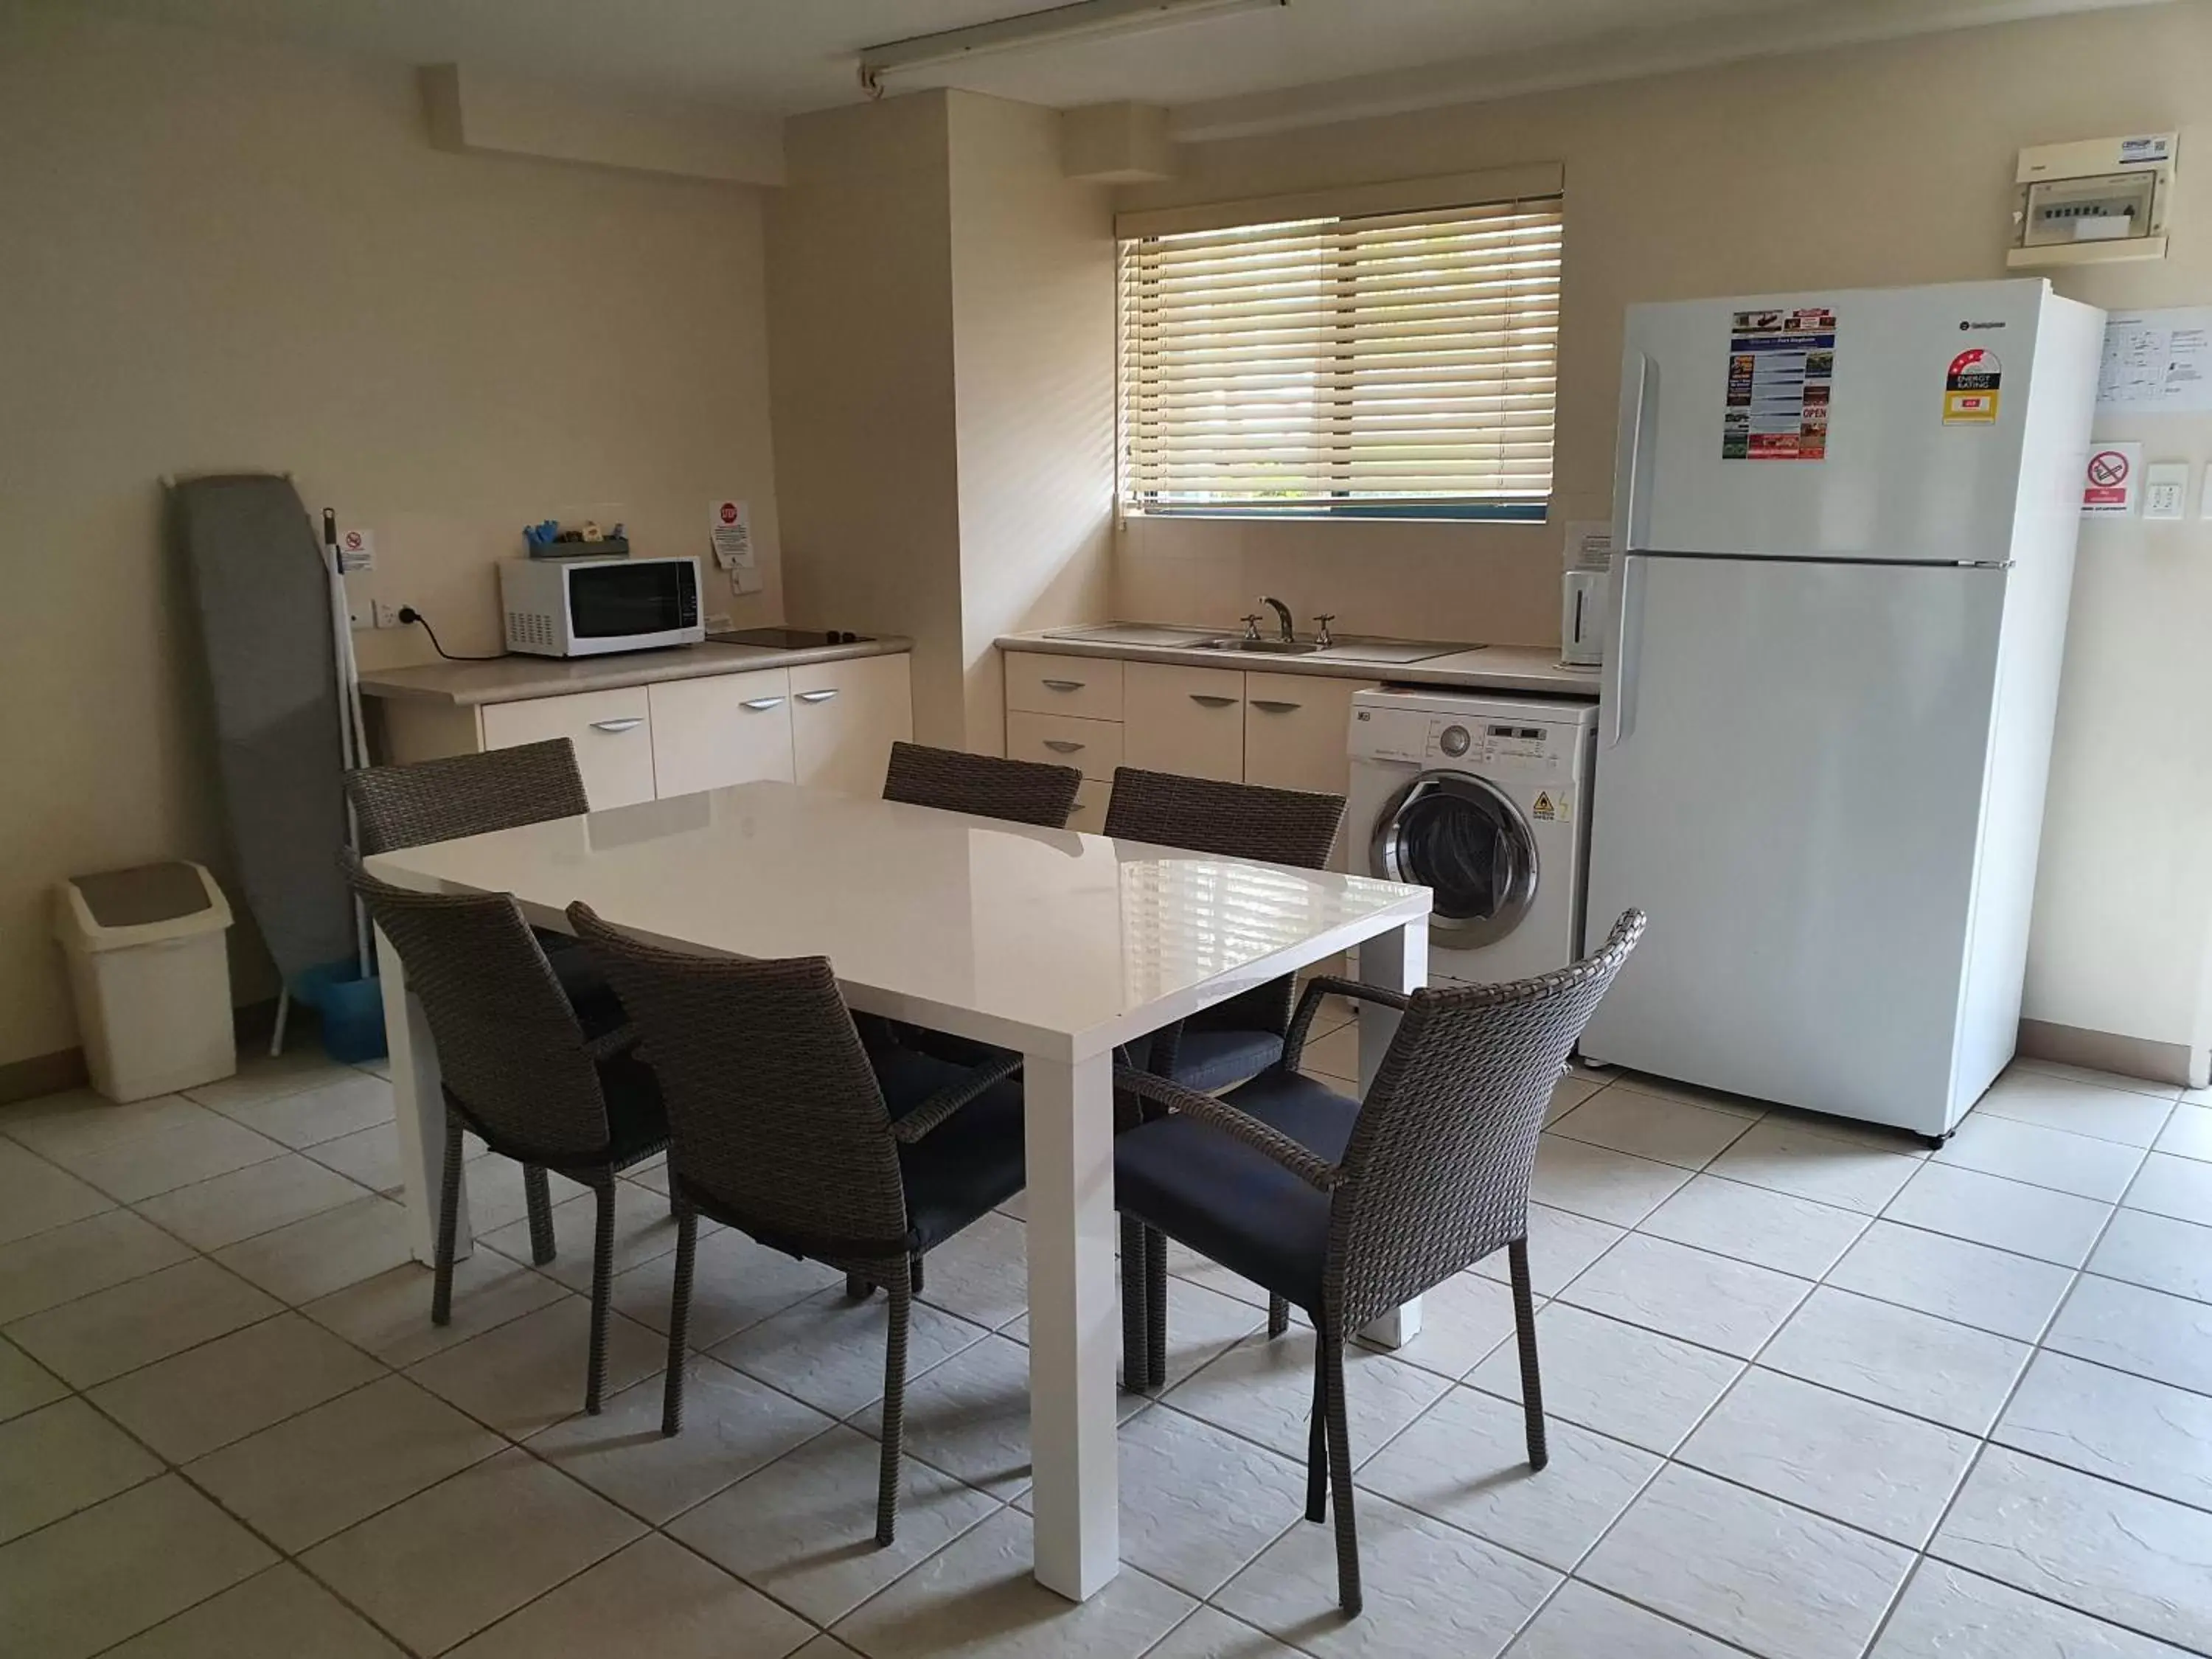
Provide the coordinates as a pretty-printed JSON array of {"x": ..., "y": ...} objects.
[{"x": 2165, "y": 489}]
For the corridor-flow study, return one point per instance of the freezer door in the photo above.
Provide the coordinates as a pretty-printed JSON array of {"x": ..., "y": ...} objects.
[
  {"x": 1754, "y": 427},
  {"x": 1792, "y": 787}
]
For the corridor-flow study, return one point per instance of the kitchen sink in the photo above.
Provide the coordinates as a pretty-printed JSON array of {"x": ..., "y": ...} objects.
[
  {"x": 1264, "y": 648},
  {"x": 1347, "y": 647}
]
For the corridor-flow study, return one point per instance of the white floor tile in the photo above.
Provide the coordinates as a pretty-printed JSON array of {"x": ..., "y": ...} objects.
[
  {"x": 1667, "y": 1089},
  {"x": 736, "y": 1283},
  {"x": 1954, "y": 1279},
  {"x": 1582, "y": 1623},
  {"x": 521, "y": 1528},
  {"x": 2166, "y": 1338},
  {"x": 79, "y": 1586},
  {"x": 1463, "y": 1320},
  {"x": 257, "y": 1199},
  {"x": 528, "y": 1374},
  {"x": 2176, "y": 1186},
  {"x": 206, "y": 1397},
  {"x": 1621, "y": 1380},
  {"x": 2009, "y": 1215},
  {"x": 2170, "y": 1255},
  {"x": 1787, "y": 1157},
  {"x": 1913, "y": 1362},
  {"x": 194, "y": 1148},
  {"x": 311, "y": 1476},
  {"x": 802, "y": 1528},
  {"x": 653, "y": 1597},
  {"x": 370, "y": 1156},
  {"x": 981, "y": 1274},
  {"x": 339, "y": 1107},
  {"x": 2139, "y": 1085},
  {"x": 1430, "y": 1589},
  {"x": 136, "y": 1323},
  {"x": 1203, "y": 1325},
  {"x": 979, "y": 1598},
  {"x": 1209, "y": 1633},
  {"x": 311, "y": 1258},
  {"x": 64, "y": 1263},
  {"x": 644, "y": 1231},
  {"x": 25, "y": 1385},
  {"x": 1947, "y": 1613},
  {"x": 1711, "y": 1300},
  {"x": 1652, "y": 1126},
  {"x": 829, "y": 1350},
  {"x": 1262, "y": 1389},
  {"x": 2065, "y": 1162},
  {"x": 2109, "y": 1423},
  {"x": 35, "y": 1195},
  {"x": 280, "y": 1613},
  {"x": 264, "y": 1076},
  {"x": 731, "y": 1426},
  {"x": 63, "y": 1458},
  {"x": 2031, "y": 1095},
  {"x": 1833, "y": 1454},
  {"x": 1749, "y": 1569},
  {"x": 2105, "y": 1550},
  {"x": 1751, "y": 1224},
  {"x": 2188, "y": 1133},
  {"x": 1561, "y": 1245},
  {"x": 1198, "y": 1504},
  {"x": 390, "y": 1315},
  {"x": 1466, "y": 1462},
  {"x": 1601, "y": 1184}
]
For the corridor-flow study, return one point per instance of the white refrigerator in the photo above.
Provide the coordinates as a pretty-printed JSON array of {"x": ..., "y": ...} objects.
[{"x": 1847, "y": 522}]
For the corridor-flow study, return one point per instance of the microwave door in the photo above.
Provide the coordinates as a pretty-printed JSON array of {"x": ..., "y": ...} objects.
[{"x": 631, "y": 601}]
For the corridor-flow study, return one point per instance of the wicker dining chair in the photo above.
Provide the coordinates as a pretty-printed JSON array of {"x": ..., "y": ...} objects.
[
  {"x": 784, "y": 1125},
  {"x": 1346, "y": 1208},
  {"x": 521, "y": 1069},
  {"x": 458, "y": 795},
  {"x": 1019, "y": 790},
  {"x": 1225, "y": 1044}
]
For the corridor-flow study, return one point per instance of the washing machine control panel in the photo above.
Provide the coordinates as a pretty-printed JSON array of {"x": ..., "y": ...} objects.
[{"x": 1469, "y": 742}]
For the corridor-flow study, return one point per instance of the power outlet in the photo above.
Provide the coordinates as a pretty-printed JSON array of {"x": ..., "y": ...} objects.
[
  {"x": 387, "y": 614},
  {"x": 358, "y": 614}
]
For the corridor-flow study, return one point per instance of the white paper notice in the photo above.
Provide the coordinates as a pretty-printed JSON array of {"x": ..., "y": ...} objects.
[
  {"x": 730, "y": 533},
  {"x": 2111, "y": 480},
  {"x": 1590, "y": 544},
  {"x": 2158, "y": 362}
]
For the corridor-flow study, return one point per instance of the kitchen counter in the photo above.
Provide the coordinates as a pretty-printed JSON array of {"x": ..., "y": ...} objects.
[
  {"x": 1524, "y": 668},
  {"x": 520, "y": 678}
]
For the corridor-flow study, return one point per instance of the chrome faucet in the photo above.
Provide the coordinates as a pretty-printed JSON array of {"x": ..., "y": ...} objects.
[{"x": 1283, "y": 615}]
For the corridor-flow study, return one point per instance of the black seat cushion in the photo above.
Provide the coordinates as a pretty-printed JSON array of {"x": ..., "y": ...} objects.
[
  {"x": 584, "y": 982},
  {"x": 967, "y": 1166},
  {"x": 637, "y": 1123},
  {"x": 1236, "y": 1205},
  {"x": 1207, "y": 1059}
]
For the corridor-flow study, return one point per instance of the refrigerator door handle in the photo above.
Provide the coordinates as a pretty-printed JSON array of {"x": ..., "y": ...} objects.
[
  {"x": 1618, "y": 691},
  {"x": 1636, "y": 482}
]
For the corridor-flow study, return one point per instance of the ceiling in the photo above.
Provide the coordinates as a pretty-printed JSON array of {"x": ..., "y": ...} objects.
[{"x": 1224, "y": 73}]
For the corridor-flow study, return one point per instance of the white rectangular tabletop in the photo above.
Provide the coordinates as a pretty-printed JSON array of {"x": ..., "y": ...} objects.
[{"x": 1043, "y": 940}]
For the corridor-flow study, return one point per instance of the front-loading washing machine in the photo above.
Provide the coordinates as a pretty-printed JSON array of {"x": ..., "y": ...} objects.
[{"x": 1482, "y": 798}]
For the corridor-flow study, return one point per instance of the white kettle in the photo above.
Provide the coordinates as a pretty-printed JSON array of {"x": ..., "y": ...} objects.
[{"x": 1582, "y": 618}]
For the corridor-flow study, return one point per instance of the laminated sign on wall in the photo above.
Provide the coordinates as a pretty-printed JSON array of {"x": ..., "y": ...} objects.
[
  {"x": 1781, "y": 364},
  {"x": 2109, "y": 482},
  {"x": 730, "y": 533}
]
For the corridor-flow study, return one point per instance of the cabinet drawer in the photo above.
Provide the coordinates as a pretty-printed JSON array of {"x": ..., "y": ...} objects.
[
  {"x": 720, "y": 730},
  {"x": 1089, "y": 813},
  {"x": 844, "y": 718},
  {"x": 1087, "y": 686},
  {"x": 1189, "y": 720},
  {"x": 612, "y": 731},
  {"x": 1092, "y": 747}
]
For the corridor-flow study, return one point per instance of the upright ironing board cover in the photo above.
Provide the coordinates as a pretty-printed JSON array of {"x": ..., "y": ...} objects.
[{"x": 260, "y": 583}]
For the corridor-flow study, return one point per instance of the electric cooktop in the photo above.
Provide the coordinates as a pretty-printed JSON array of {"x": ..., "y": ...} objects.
[{"x": 788, "y": 639}]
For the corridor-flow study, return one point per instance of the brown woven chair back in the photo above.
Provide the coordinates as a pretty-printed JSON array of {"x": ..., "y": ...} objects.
[
  {"x": 1020, "y": 792},
  {"x": 465, "y": 794},
  {"x": 509, "y": 1046},
  {"x": 775, "y": 1120},
  {"x": 1436, "y": 1173}
]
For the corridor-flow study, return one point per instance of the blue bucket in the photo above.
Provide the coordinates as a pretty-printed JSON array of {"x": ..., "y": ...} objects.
[{"x": 351, "y": 1010}]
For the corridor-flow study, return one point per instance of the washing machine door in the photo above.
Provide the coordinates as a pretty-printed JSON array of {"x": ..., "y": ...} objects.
[{"x": 1466, "y": 840}]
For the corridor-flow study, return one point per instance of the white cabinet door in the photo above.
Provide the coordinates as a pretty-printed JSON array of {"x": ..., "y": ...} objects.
[
  {"x": 1092, "y": 747},
  {"x": 721, "y": 729},
  {"x": 1296, "y": 733},
  {"x": 844, "y": 718},
  {"x": 1189, "y": 720},
  {"x": 612, "y": 731}
]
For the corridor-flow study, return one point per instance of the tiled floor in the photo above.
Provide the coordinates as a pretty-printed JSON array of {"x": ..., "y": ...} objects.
[{"x": 1813, "y": 1392}]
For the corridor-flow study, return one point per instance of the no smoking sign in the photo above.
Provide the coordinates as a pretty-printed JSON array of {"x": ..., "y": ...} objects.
[{"x": 2108, "y": 482}]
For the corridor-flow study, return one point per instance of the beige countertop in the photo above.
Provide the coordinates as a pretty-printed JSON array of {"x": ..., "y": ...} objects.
[
  {"x": 518, "y": 678},
  {"x": 1477, "y": 668}
]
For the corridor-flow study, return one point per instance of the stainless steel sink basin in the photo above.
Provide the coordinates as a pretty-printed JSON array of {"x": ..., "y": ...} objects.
[
  {"x": 1347, "y": 647},
  {"x": 1264, "y": 648}
]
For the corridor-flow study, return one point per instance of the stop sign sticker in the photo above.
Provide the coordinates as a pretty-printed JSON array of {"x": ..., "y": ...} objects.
[{"x": 2108, "y": 482}]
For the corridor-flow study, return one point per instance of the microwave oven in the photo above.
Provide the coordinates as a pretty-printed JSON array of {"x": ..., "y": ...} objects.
[{"x": 583, "y": 607}]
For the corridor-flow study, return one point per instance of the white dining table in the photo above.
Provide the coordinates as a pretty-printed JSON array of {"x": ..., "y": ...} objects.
[{"x": 1058, "y": 945}]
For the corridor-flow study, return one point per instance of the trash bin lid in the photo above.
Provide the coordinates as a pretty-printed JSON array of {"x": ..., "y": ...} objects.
[{"x": 148, "y": 893}]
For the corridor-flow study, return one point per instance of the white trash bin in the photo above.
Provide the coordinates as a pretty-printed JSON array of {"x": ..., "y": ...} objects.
[{"x": 151, "y": 975}]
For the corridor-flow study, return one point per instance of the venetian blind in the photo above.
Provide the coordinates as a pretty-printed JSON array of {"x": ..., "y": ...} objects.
[{"x": 1396, "y": 361}]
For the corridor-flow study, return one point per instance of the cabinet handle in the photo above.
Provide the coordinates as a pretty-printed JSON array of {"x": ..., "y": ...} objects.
[
  {"x": 1062, "y": 745},
  {"x": 1205, "y": 701},
  {"x": 762, "y": 705},
  {"x": 816, "y": 696},
  {"x": 1270, "y": 705},
  {"x": 1063, "y": 685},
  {"x": 629, "y": 725}
]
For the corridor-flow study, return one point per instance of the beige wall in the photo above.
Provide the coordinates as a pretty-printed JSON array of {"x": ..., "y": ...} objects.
[
  {"x": 941, "y": 302},
  {"x": 1878, "y": 165},
  {"x": 1033, "y": 360},
  {"x": 220, "y": 256}
]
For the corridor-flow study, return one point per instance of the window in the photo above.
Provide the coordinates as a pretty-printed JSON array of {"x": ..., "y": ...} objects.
[{"x": 1398, "y": 364}]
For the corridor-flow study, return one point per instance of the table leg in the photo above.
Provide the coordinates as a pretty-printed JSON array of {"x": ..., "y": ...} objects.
[
  {"x": 1074, "y": 1329},
  {"x": 1395, "y": 961},
  {"x": 419, "y": 1110}
]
